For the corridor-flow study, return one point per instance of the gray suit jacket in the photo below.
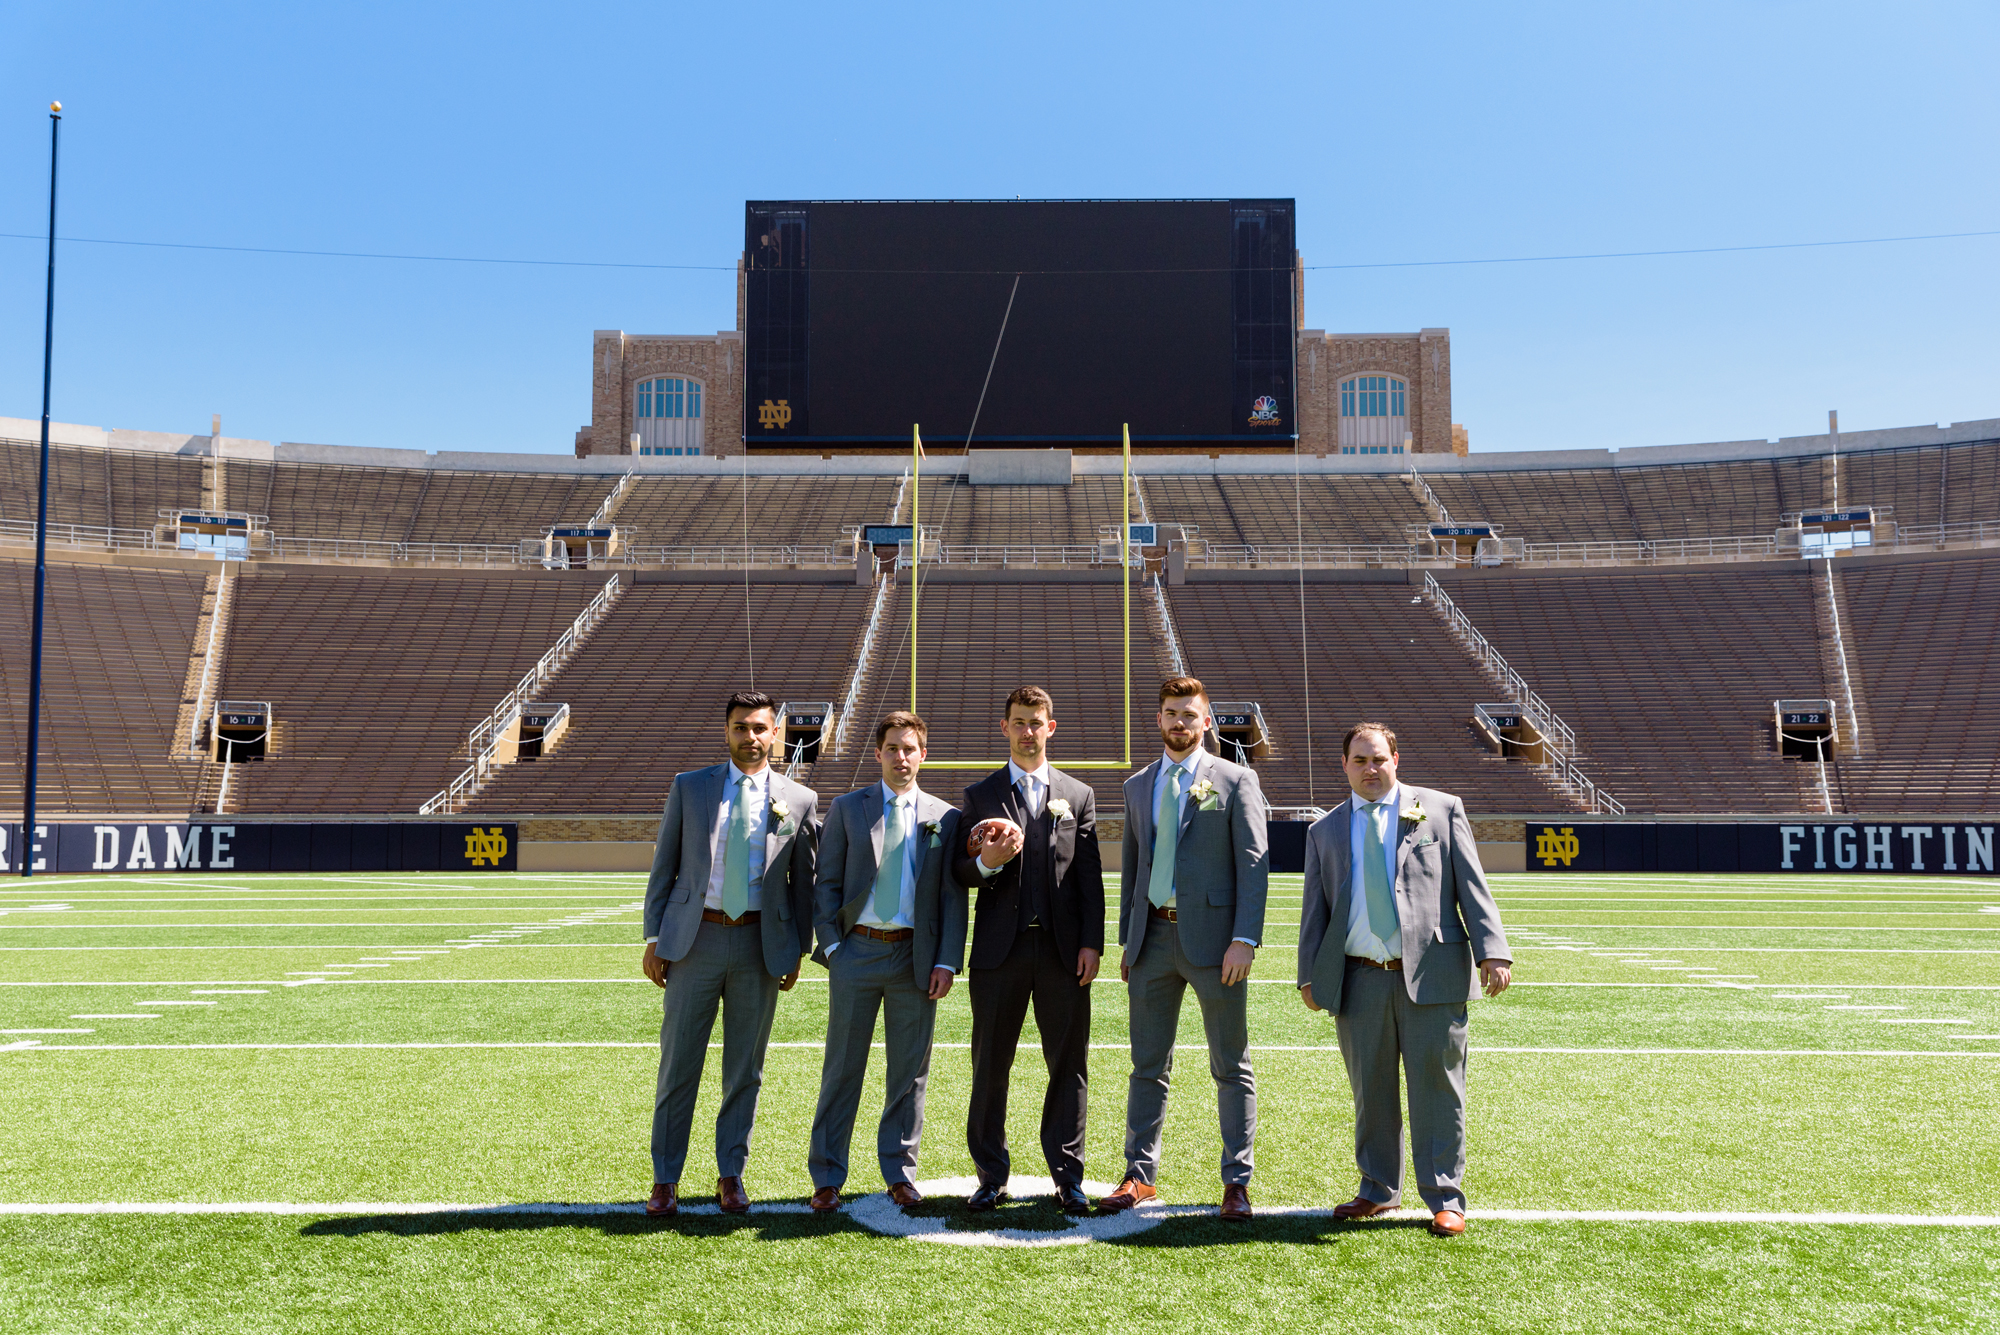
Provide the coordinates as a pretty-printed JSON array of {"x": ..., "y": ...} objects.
[
  {"x": 682, "y": 863},
  {"x": 1221, "y": 867},
  {"x": 850, "y": 851},
  {"x": 1448, "y": 917}
]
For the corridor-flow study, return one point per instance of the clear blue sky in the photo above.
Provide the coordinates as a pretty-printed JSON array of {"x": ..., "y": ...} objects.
[{"x": 635, "y": 132}]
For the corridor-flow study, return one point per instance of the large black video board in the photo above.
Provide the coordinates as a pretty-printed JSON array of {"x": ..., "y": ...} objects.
[{"x": 863, "y": 318}]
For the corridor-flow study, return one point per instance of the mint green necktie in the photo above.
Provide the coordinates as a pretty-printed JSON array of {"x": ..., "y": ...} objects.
[
  {"x": 889, "y": 872},
  {"x": 736, "y": 854},
  {"x": 1375, "y": 876},
  {"x": 1166, "y": 839}
]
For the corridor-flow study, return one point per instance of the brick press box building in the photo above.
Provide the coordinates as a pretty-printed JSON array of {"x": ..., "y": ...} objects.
[{"x": 1038, "y": 323}]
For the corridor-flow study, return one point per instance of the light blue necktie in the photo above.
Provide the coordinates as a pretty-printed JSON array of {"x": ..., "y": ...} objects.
[
  {"x": 889, "y": 872},
  {"x": 1375, "y": 876},
  {"x": 1166, "y": 839},
  {"x": 736, "y": 854}
]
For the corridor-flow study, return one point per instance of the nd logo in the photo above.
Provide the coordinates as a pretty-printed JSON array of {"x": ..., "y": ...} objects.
[
  {"x": 1552, "y": 846},
  {"x": 777, "y": 414},
  {"x": 485, "y": 848}
]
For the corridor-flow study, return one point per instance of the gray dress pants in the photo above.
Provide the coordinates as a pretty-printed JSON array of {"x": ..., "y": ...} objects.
[
  {"x": 725, "y": 967},
  {"x": 868, "y": 977},
  {"x": 1158, "y": 985},
  {"x": 1378, "y": 1026}
]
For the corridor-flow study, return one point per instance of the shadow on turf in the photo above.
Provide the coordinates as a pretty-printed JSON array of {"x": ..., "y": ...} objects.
[{"x": 1179, "y": 1233}]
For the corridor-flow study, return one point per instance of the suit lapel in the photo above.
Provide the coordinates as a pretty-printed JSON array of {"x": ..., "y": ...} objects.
[
  {"x": 1343, "y": 862},
  {"x": 874, "y": 813},
  {"x": 1148, "y": 778},
  {"x": 713, "y": 785},
  {"x": 777, "y": 791},
  {"x": 1407, "y": 830}
]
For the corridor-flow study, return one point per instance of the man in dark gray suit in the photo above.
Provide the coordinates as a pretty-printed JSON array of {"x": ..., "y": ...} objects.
[
  {"x": 1396, "y": 911},
  {"x": 1190, "y": 914},
  {"x": 728, "y": 916},
  {"x": 1037, "y": 937},
  {"x": 891, "y": 926}
]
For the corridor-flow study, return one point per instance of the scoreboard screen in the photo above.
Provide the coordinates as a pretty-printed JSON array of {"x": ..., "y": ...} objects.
[{"x": 1019, "y": 322}]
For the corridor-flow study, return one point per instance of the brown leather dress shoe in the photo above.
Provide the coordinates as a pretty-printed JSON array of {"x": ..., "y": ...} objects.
[
  {"x": 1130, "y": 1193},
  {"x": 729, "y": 1194},
  {"x": 903, "y": 1195},
  {"x": 665, "y": 1201},
  {"x": 826, "y": 1200},
  {"x": 1448, "y": 1223},
  {"x": 1235, "y": 1201},
  {"x": 1360, "y": 1208}
]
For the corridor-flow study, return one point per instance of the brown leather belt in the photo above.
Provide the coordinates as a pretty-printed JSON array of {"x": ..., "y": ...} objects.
[
  {"x": 1393, "y": 966},
  {"x": 882, "y": 933},
  {"x": 717, "y": 915},
  {"x": 1168, "y": 915}
]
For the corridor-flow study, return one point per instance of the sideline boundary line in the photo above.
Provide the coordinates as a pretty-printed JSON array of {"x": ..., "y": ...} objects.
[{"x": 653, "y": 1045}]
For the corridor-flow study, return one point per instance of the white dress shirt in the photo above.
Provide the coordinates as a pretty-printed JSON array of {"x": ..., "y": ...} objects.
[
  {"x": 1198, "y": 760},
  {"x": 757, "y": 792},
  {"x": 1361, "y": 938}
]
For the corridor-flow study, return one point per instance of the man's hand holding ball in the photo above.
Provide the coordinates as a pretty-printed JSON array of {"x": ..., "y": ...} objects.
[{"x": 996, "y": 841}]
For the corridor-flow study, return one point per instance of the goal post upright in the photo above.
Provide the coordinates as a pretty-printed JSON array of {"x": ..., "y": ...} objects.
[{"x": 1125, "y": 591}]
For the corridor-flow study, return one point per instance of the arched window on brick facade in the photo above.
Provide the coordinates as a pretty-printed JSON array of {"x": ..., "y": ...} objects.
[
  {"x": 667, "y": 414},
  {"x": 1374, "y": 414}
]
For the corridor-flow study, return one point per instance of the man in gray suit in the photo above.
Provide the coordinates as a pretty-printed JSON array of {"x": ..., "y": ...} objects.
[
  {"x": 1190, "y": 914},
  {"x": 728, "y": 916},
  {"x": 1396, "y": 911},
  {"x": 891, "y": 927}
]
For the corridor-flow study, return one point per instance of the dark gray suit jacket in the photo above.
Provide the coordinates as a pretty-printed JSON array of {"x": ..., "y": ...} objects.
[
  {"x": 683, "y": 861},
  {"x": 850, "y": 851},
  {"x": 1448, "y": 917},
  {"x": 1075, "y": 869},
  {"x": 1221, "y": 866}
]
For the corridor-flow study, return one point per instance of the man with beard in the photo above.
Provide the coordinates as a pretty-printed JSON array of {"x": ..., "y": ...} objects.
[{"x": 1192, "y": 885}]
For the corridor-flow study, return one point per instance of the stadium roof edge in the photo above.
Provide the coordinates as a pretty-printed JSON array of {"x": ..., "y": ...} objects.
[{"x": 28, "y": 431}]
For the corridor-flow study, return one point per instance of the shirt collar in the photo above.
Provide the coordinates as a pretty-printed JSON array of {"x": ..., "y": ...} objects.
[
  {"x": 758, "y": 781},
  {"x": 1190, "y": 767},
  {"x": 1015, "y": 773},
  {"x": 1394, "y": 797},
  {"x": 890, "y": 796}
]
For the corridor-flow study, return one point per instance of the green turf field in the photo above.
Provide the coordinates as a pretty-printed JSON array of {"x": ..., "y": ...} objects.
[{"x": 389, "y": 1045}]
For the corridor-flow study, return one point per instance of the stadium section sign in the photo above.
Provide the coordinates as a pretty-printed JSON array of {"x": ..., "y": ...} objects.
[
  {"x": 262, "y": 846},
  {"x": 1824, "y": 847}
]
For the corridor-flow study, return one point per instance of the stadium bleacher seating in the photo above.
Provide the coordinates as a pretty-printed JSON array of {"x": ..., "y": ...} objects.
[
  {"x": 114, "y": 663},
  {"x": 1374, "y": 655},
  {"x": 1668, "y": 679},
  {"x": 1919, "y": 642},
  {"x": 646, "y": 694},
  {"x": 1361, "y": 508},
  {"x": 692, "y": 511},
  {"x": 1053, "y": 516},
  {"x": 99, "y": 488},
  {"x": 343, "y": 501},
  {"x": 375, "y": 678},
  {"x": 1732, "y": 499},
  {"x": 1939, "y": 484},
  {"x": 979, "y": 641}
]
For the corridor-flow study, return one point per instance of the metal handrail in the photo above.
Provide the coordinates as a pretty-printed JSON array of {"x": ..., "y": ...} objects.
[
  {"x": 1559, "y": 739},
  {"x": 484, "y": 739}
]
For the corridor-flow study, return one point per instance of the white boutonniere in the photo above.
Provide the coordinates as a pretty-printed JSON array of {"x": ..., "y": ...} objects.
[
  {"x": 1416, "y": 813},
  {"x": 783, "y": 811},
  {"x": 935, "y": 829},
  {"x": 1059, "y": 807},
  {"x": 1204, "y": 796}
]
